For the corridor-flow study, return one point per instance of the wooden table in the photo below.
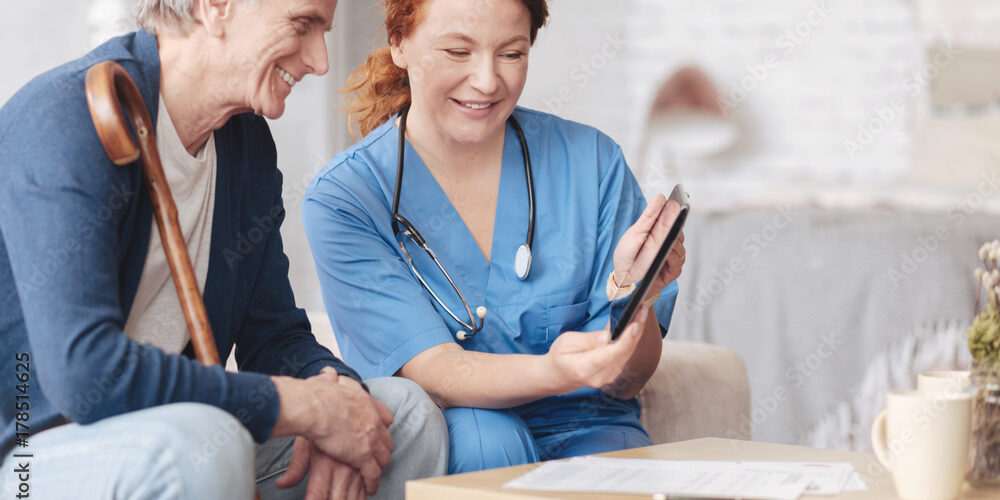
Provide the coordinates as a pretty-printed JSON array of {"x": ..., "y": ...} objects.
[{"x": 488, "y": 484}]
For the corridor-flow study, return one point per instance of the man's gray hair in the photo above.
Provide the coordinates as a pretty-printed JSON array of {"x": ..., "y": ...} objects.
[{"x": 170, "y": 16}]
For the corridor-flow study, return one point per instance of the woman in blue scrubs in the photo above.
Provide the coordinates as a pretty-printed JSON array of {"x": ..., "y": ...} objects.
[{"x": 539, "y": 378}]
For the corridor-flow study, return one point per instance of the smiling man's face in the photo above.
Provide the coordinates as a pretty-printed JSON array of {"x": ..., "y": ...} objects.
[{"x": 276, "y": 44}]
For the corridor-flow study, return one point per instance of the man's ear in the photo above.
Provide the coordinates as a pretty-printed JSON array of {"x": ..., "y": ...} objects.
[
  {"x": 396, "y": 49},
  {"x": 214, "y": 14}
]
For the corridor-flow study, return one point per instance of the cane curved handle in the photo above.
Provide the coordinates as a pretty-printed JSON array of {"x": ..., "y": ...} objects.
[{"x": 107, "y": 83}]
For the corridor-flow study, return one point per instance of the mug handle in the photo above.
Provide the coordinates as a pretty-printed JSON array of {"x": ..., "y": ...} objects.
[{"x": 879, "y": 439}]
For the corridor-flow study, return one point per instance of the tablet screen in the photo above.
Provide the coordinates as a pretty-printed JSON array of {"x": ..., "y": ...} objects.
[{"x": 624, "y": 309}]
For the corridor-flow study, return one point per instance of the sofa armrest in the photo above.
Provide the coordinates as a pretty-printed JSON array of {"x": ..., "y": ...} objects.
[{"x": 698, "y": 390}]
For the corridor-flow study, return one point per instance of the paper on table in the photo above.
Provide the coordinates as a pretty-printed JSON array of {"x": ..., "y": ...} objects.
[
  {"x": 855, "y": 483},
  {"x": 825, "y": 478},
  {"x": 671, "y": 477}
]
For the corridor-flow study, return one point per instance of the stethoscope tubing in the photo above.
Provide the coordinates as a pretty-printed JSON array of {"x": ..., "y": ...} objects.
[
  {"x": 412, "y": 232},
  {"x": 529, "y": 179}
]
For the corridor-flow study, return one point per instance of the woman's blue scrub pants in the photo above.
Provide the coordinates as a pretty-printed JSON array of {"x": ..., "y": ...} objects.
[{"x": 544, "y": 430}]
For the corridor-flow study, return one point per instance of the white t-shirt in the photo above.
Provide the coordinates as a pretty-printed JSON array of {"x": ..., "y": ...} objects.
[{"x": 156, "y": 317}]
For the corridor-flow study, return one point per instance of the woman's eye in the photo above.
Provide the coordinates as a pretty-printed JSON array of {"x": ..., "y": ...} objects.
[
  {"x": 513, "y": 55},
  {"x": 457, "y": 53}
]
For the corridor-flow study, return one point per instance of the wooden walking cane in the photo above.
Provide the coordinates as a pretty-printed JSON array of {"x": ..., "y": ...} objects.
[{"x": 106, "y": 83}]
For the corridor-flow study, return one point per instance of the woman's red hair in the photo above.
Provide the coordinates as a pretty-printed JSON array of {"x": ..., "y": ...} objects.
[{"x": 379, "y": 89}]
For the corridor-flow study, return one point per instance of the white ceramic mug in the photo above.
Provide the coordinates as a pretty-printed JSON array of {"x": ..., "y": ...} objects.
[
  {"x": 923, "y": 439},
  {"x": 949, "y": 382}
]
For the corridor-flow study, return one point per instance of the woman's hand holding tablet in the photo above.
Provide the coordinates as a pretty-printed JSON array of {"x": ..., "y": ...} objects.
[
  {"x": 590, "y": 359},
  {"x": 653, "y": 250}
]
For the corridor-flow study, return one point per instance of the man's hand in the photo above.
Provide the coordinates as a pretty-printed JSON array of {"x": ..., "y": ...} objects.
[
  {"x": 340, "y": 419},
  {"x": 328, "y": 478},
  {"x": 383, "y": 411}
]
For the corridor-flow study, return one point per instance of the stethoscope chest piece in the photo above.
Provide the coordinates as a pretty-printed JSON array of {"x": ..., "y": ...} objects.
[{"x": 522, "y": 261}]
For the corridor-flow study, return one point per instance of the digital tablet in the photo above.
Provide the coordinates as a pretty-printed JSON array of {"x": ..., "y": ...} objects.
[{"x": 623, "y": 310}]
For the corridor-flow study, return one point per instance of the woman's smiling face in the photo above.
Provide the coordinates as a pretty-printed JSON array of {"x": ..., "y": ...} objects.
[{"x": 467, "y": 64}]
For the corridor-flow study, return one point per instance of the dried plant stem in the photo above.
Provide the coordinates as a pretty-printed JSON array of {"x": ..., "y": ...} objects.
[{"x": 979, "y": 294}]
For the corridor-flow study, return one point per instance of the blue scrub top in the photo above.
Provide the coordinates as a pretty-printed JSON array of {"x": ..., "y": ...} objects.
[{"x": 585, "y": 198}]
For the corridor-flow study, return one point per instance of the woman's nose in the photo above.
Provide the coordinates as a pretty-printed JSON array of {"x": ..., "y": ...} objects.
[{"x": 484, "y": 77}]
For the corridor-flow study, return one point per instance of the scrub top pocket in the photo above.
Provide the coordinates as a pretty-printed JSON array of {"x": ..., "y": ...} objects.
[
  {"x": 564, "y": 318},
  {"x": 533, "y": 325},
  {"x": 523, "y": 326}
]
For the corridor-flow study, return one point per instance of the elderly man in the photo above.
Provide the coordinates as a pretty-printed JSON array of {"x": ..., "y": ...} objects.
[{"x": 103, "y": 398}]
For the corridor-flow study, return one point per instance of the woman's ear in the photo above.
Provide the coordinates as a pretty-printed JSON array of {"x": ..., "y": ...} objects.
[
  {"x": 214, "y": 14},
  {"x": 398, "y": 53}
]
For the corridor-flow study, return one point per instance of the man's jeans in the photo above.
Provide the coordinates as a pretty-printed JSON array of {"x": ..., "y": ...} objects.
[{"x": 190, "y": 450}]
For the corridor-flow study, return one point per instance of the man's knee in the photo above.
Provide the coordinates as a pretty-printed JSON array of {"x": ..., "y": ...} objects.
[
  {"x": 210, "y": 448},
  {"x": 412, "y": 409},
  {"x": 486, "y": 439},
  {"x": 205, "y": 434},
  {"x": 419, "y": 434},
  {"x": 182, "y": 450}
]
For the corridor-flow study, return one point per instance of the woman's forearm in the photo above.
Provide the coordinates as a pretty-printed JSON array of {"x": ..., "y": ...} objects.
[
  {"x": 642, "y": 364},
  {"x": 454, "y": 377}
]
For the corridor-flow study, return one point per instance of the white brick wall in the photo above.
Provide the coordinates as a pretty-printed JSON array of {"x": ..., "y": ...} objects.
[
  {"x": 578, "y": 66},
  {"x": 966, "y": 22},
  {"x": 807, "y": 76}
]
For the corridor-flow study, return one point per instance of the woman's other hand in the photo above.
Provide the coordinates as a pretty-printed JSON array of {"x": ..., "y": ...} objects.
[
  {"x": 637, "y": 248},
  {"x": 590, "y": 359}
]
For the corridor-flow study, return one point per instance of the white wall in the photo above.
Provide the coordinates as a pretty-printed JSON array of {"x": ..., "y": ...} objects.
[
  {"x": 804, "y": 77},
  {"x": 35, "y": 37}
]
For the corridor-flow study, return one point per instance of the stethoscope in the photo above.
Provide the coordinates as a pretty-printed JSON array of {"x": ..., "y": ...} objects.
[{"x": 522, "y": 259}]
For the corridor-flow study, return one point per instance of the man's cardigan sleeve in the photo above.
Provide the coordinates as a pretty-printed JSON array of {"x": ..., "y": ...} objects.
[{"x": 62, "y": 204}]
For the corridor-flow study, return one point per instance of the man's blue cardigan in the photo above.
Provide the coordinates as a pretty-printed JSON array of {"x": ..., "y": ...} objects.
[{"x": 74, "y": 231}]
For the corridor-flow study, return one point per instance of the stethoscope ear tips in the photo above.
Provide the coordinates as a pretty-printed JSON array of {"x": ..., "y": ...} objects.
[
  {"x": 522, "y": 262},
  {"x": 462, "y": 334}
]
